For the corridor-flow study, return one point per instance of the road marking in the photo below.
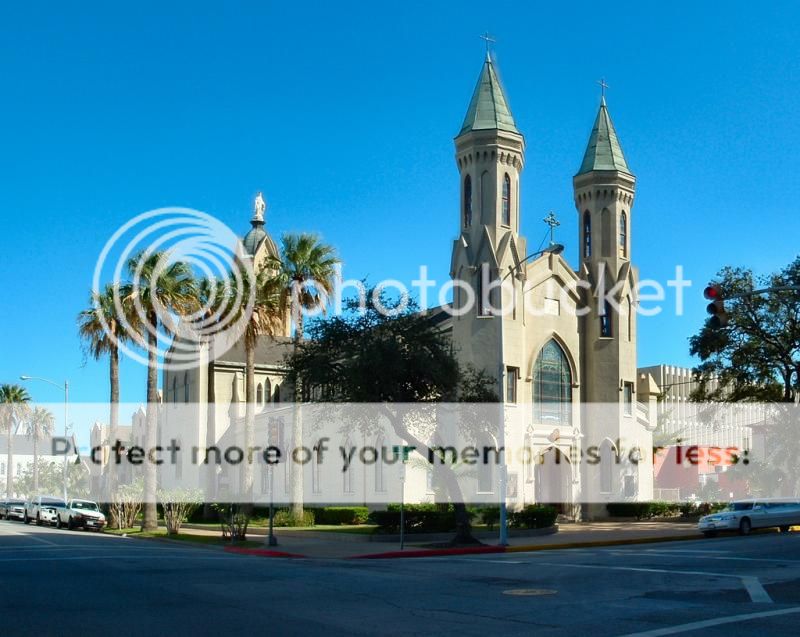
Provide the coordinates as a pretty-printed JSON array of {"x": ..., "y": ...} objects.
[
  {"x": 530, "y": 592},
  {"x": 708, "y": 623},
  {"x": 756, "y": 590},
  {"x": 710, "y": 557},
  {"x": 751, "y": 584},
  {"x": 29, "y": 536}
]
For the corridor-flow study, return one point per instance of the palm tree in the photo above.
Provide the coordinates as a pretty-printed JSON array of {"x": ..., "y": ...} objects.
[
  {"x": 39, "y": 424},
  {"x": 308, "y": 271},
  {"x": 264, "y": 289},
  {"x": 102, "y": 329},
  {"x": 159, "y": 286},
  {"x": 14, "y": 405}
]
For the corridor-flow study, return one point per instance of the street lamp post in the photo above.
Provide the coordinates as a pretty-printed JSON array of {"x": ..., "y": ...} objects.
[
  {"x": 553, "y": 248},
  {"x": 65, "y": 389}
]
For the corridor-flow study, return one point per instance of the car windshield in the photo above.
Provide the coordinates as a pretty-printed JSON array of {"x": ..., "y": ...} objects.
[
  {"x": 739, "y": 506},
  {"x": 81, "y": 504},
  {"x": 53, "y": 503}
]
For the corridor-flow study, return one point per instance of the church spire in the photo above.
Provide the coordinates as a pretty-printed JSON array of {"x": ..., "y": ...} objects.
[
  {"x": 488, "y": 108},
  {"x": 603, "y": 151}
]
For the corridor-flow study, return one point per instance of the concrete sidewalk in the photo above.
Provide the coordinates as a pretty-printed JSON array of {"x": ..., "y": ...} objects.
[{"x": 570, "y": 535}]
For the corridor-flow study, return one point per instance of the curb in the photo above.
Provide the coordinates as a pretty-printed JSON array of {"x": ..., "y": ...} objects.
[{"x": 260, "y": 552}]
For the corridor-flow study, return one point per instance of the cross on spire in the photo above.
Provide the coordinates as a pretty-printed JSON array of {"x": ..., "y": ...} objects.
[
  {"x": 603, "y": 87},
  {"x": 551, "y": 221},
  {"x": 489, "y": 39}
]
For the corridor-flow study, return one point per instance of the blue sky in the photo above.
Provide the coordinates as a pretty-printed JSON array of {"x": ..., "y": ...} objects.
[{"x": 344, "y": 116}]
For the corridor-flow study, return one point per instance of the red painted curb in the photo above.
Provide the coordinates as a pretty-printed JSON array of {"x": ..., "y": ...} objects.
[
  {"x": 431, "y": 552},
  {"x": 261, "y": 552}
]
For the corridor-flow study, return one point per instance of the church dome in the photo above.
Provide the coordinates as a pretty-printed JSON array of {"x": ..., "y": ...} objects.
[{"x": 253, "y": 239}]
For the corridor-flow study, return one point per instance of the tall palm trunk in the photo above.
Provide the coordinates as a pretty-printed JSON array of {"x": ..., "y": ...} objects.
[
  {"x": 150, "y": 520},
  {"x": 9, "y": 460},
  {"x": 297, "y": 430},
  {"x": 113, "y": 419},
  {"x": 249, "y": 419},
  {"x": 211, "y": 428}
]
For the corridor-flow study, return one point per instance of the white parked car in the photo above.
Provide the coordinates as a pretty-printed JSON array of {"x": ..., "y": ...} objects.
[
  {"x": 745, "y": 515},
  {"x": 35, "y": 504},
  {"x": 48, "y": 515},
  {"x": 80, "y": 513}
]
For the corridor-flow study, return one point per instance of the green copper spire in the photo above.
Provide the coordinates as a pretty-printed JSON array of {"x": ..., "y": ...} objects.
[
  {"x": 488, "y": 109},
  {"x": 603, "y": 151}
]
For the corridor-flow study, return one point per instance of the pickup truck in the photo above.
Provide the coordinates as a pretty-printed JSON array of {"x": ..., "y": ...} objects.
[
  {"x": 34, "y": 506},
  {"x": 80, "y": 513}
]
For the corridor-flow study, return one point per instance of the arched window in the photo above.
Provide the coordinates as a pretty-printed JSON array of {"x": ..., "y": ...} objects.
[
  {"x": 186, "y": 387},
  {"x": 267, "y": 391},
  {"x": 276, "y": 395},
  {"x": 506, "y": 200},
  {"x": 623, "y": 235},
  {"x": 380, "y": 484},
  {"x": 607, "y": 228},
  {"x": 607, "y": 460},
  {"x": 259, "y": 394},
  {"x": 552, "y": 386},
  {"x": 606, "y": 329},
  {"x": 316, "y": 487},
  {"x": 467, "y": 201},
  {"x": 587, "y": 235},
  {"x": 174, "y": 389},
  {"x": 347, "y": 474}
]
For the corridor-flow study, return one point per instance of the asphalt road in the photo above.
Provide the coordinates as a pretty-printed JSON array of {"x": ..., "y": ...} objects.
[{"x": 75, "y": 582}]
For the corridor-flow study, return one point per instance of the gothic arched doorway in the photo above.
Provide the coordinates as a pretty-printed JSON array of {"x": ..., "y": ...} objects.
[{"x": 553, "y": 479}]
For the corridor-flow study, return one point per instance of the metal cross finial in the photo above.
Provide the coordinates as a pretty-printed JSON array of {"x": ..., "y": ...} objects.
[
  {"x": 603, "y": 86},
  {"x": 551, "y": 221},
  {"x": 489, "y": 39}
]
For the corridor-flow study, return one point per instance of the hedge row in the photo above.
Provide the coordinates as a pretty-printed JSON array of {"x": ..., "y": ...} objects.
[{"x": 647, "y": 510}]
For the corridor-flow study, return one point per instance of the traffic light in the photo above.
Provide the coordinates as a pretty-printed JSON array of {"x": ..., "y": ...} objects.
[{"x": 719, "y": 317}]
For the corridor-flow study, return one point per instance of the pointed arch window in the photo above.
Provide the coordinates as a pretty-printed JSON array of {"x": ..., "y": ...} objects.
[
  {"x": 506, "y": 200},
  {"x": 186, "y": 387},
  {"x": 174, "y": 389},
  {"x": 259, "y": 394},
  {"x": 267, "y": 391},
  {"x": 623, "y": 235},
  {"x": 552, "y": 386},
  {"x": 587, "y": 235},
  {"x": 606, "y": 329},
  {"x": 467, "y": 201}
]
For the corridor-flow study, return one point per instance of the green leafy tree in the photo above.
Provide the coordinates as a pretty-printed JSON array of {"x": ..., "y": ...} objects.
[
  {"x": 370, "y": 357},
  {"x": 50, "y": 476},
  {"x": 757, "y": 357},
  {"x": 160, "y": 287},
  {"x": 14, "y": 409}
]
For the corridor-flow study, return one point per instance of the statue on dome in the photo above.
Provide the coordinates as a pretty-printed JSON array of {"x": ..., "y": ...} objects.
[{"x": 259, "y": 207}]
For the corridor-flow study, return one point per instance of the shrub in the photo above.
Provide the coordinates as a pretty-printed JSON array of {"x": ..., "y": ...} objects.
[
  {"x": 419, "y": 518},
  {"x": 341, "y": 515},
  {"x": 643, "y": 510},
  {"x": 533, "y": 516},
  {"x": 285, "y": 517},
  {"x": 490, "y": 516}
]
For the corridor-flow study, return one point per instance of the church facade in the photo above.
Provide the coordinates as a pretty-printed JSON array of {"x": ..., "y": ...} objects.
[{"x": 561, "y": 341}]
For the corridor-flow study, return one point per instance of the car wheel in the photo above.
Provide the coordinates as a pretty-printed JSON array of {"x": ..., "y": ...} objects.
[
  {"x": 70, "y": 524},
  {"x": 58, "y": 522},
  {"x": 785, "y": 528},
  {"x": 25, "y": 518},
  {"x": 745, "y": 526},
  {"x": 710, "y": 533},
  {"x": 38, "y": 520}
]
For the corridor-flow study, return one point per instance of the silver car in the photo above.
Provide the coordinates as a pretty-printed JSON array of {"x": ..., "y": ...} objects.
[{"x": 746, "y": 515}]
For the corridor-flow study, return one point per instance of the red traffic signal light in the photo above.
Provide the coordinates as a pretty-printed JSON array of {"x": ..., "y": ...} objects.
[{"x": 719, "y": 317}]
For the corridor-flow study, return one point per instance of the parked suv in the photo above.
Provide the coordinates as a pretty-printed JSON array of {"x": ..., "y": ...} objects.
[
  {"x": 35, "y": 504},
  {"x": 12, "y": 509}
]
